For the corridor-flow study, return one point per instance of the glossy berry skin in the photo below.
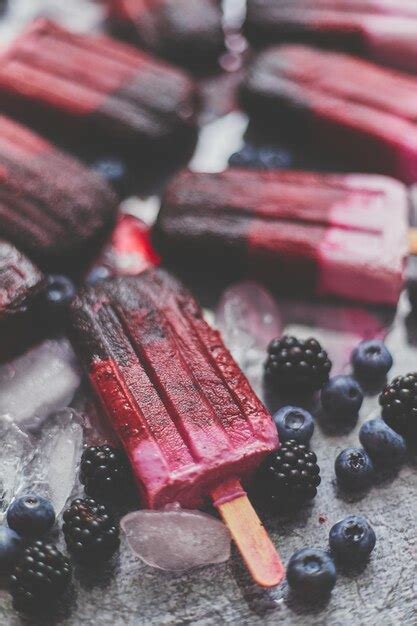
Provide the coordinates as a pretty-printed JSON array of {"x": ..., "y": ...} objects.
[
  {"x": 31, "y": 515},
  {"x": 115, "y": 171},
  {"x": 311, "y": 573},
  {"x": 399, "y": 405},
  {"x": 371, "y": 360},
  {"x": 354, "y": 469},
  {"x": 105, "y": 473},
  {"x": 384, "y": 446},
  {"x": 352, "y": 539},
  {"x": 60, "y": 290},
  {"x": 294, "y": 423},
  {"x": 10, "y": 548},
  {"x": 289, "y": 475},
  {"x": 89, "y": 530},
  {"x": 341, "y": 398},
  {"x": 262, "y": 157},
  {"x": 40, "y": 577},
  {"x": 295, "y": 365}
]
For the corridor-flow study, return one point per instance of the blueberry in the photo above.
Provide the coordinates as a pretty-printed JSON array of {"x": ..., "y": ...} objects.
[
  {"x": 354, "y": 468},
  {"x": 311, "y": 573},
  {"x": 352, "y": 539},
  {"x": 115, "y": 172},
  {"x": 384, "y": 445},
  {"x": 294, "y": 423},
  {"x": 10, "y": 547},
  {"x": 60, "y": 291},
  {"x": 342, "y": 397},
  {"x": 371, "y": 360},
  {"x": 31, "y": 515},
  {"x": 263, "y": 157}
]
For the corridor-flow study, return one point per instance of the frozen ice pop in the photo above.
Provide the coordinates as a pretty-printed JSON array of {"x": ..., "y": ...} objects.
[
  {"x": 184, "y": 32},
  {"x": 51, "y": 206},
  {"x": 189, "y": 421},
  {"x": 382, "y": 30},
  {"x": 20, "y": 280},
  {"x": 341, "y": 104},
  {"x": 88, "y": 90},
  {"x": 128, "y": 252},
  {"x": 339, "y": 235}
]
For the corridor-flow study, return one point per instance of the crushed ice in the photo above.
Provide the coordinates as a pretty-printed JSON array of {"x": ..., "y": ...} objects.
[
  {"x": 38, "y": 383},
  {"x": 248, "y": 318},
  {"x": 176, "y": 539},
  {"x": 17, "y": 453}
]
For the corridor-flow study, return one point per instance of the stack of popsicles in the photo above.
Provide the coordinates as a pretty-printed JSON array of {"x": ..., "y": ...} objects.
[{"x": 382, "y": 30}]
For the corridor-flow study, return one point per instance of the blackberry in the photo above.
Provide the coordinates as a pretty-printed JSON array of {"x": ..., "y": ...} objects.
[
  {"x": 41, "y": 575},
  {"x": 399, "y": 405},
  {"x": 105, "y": 473},
  {"x": 89, "y": 530},
  {"x": 290, "y": 474},
  {"x": 294, "y": 364}
]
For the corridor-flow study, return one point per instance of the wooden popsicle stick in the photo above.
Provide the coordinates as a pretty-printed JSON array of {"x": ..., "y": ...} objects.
[
  {"x": 412, "y": 239},
  {"x": 254, "y": 544}
]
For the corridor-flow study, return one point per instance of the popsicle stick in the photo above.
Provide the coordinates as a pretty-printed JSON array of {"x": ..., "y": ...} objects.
[
  {"x": 412, "y": 239},
  {"x": 258, "y": 551}
]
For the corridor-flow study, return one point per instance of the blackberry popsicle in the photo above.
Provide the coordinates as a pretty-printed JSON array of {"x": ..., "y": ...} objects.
[
  {"x": 52, "y": 207},
  {"x": 361, "y": 113},
  {"x": 189, "y": 421},
  {"x": 184, "y": 32},
  {"x": 382, "y": 30},
  {"x": 20, "y": 280},
  {"x": 90, "y": 90},
  {"x": 343, "y": 235}
]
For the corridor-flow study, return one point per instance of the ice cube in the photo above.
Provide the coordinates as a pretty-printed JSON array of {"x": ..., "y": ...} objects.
[
  {"x": 38, "y": 383},
  {"x": 248, "y": 318},
  {"x": 54, "y": 470},
  {"x": 16, "y": 454},
  {"x": 176, "y": 539}
]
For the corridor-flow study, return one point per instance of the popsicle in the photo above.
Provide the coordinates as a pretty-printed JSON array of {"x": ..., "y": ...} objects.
[
  {"x": 184, "y": 32},
  {"x": 382, "y": 30},
  {"x": 52, "y": 208},
  {"x": 85, "y": 90},
  {"x": 340, "y": 104},
  {"x": 20, "y": 280},
  {"x": 329, "y": 234},
  {"x": 190, "y": 423},
  {"x": 129, "y": 251}
]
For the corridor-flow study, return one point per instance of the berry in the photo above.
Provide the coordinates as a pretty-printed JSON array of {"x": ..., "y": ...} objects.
[
  {"x": 311, "y": 573},
  {"x": 384, "y": 445},
  {"x": 371, "y": 360},
  {"x": 10, "y": 548},
  {"x": 290, "y": 474},
  {"x": 294, "y": 423},
  {"x": 353, "y": 468},
  {"x": 40, "y": 577},
  {"x": 342, "y": 397},
  {"x": 31, "y": 515},
  {"x": 104, "y": 472},
  {"x": 399, "y": 405},
  {"x": 60, "y": 291},
  {"x": 352, "y": 539},
  {"x": 293, "y": 364},
  {"x": 263, "y": 157},
  {"x": 115, "y": 172},
  {"x": 89, "y": 530}
]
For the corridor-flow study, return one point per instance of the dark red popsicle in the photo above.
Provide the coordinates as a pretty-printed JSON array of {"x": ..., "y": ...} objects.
[
  {"x": 339, "y": 104},
  {"x": 20, "y": 280},
  {"x": 90, "y": 89},
  {"x": 184, "y": 32}
]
